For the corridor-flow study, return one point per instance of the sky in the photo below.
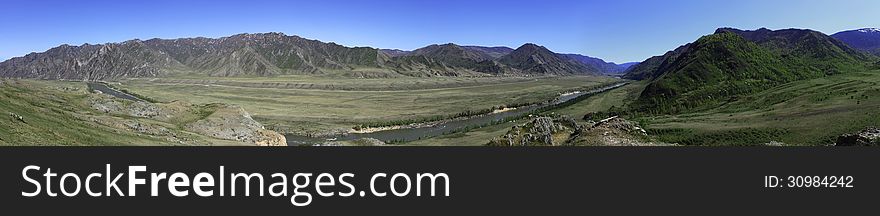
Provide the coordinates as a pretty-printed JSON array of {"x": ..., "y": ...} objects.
[{"x": 614, "y": 30}]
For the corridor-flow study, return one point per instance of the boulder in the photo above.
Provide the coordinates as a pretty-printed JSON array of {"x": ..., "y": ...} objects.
[
  {"x": 867, "y": 137},
  {"x": 541, "y": 131},
  {"x": 17, "y": 117}
]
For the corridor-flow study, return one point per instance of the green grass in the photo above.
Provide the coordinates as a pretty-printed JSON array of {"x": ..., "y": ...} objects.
[
  {"x": 598, "y": 103},
  {"x": 808, "y": 112},
  {"x": 604, "y": 101},
  {"x": 58, "y": 113},
  {"x": 49, "y": 110},
  {"x": 315, "y": 105},
  {"x": 724, "y": 66}
]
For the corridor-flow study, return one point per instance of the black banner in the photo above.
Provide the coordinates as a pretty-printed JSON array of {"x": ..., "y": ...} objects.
[{"x": 543, "y": 181}]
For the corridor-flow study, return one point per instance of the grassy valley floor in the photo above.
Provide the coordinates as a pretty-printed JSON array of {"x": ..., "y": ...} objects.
[
  {"x": 311, "y": 105},
  {"x": 808, "y": 112}
]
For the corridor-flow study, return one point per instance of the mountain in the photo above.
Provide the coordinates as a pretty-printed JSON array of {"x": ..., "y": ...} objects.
[
  {"x": 447, "y": 60},
  {"x": 494, "y": 52},
  {"x": 271, "y": 54},
  {"x": 131, "y": 58},
  {"x": 243, "y": 54},
  {"x": 607, "y": 68},
  {"x": 394, "y": 52},
  {"x": 529, "y": 59},
  {"x": 650, "y": 68},
  {"x": 866, "y": 39},
  {"x": 534, "y": 59},
  {"x": 626, "y": 66},
  {"x": 452, "y": 54},
  {"x": 729, "y": 63}
]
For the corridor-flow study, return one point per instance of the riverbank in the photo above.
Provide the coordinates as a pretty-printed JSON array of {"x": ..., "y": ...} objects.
[{"x": 405, "y": 134}]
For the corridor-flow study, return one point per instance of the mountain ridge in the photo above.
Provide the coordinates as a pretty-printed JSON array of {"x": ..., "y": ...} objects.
[
  {"x": 865, "y": 39},
  {"x": 732, "y": 62},
  {"x": 272, "y": 54}
]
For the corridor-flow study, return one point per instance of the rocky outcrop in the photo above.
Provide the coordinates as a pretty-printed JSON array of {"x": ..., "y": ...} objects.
[
  {"x": 614, "y": 131},
  {"x": 115, "y": 106},
  {"x": 16, "y": 117},
  {"x": 541, "y": 131},
  {"x": 563, "y": 130},
  {"x": 867, "y": 137},
  {"x": 234, "y": 123},
  {"x": 357, "y": 142},
  {"x": 219, "y": 121}
]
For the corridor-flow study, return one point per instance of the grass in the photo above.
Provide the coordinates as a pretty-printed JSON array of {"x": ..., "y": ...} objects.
[
  {"x": 49, "y": 110},
  {"x": 603, "y": 101},
  {"x": 809, "y": 112},
  {"x": 315, "y": 105},
  {"x": 58, "y": 113},
  {"x": 480, "y": 136}
]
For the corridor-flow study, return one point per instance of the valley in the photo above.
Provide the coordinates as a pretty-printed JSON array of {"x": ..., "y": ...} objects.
[
  {"x": 312, "y": 106},
  {"x": 732, "y": 87}
]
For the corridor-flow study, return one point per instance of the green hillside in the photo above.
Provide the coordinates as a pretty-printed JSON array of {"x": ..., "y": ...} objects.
[{"x": 722, "y": 67}]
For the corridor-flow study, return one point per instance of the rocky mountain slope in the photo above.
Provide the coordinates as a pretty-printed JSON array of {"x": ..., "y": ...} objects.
[
  {"x": 270, "y": 54},
  {"x": 731, "y": 62},
  {"x": 494, "y": 52},
  {"x": 866, "y": 39},
  {"x": 535, "y": 59},
  {"x": 529, "y": 59}
]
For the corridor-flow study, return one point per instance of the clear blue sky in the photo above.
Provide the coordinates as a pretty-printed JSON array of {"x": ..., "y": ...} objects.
[{"x": 615, "y": 30}]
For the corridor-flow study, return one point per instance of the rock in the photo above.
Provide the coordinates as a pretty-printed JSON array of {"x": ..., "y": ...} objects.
[
  {"x": 541, "y": 131},
  {"x": 614, "y": 131},
  {"x": 357, "y": 142},
  {"x": 234, "y": 123},
  {"x": 227, "y": 122},
  {"x": 774, "y": 143},
  {"x": 107, "y": 104},
  {"x": 867, "y": 137},
  {"x": 17, "y": 117}
]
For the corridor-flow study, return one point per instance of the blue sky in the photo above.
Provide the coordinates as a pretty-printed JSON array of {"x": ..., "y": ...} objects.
[{"x": 620, "y": 31}]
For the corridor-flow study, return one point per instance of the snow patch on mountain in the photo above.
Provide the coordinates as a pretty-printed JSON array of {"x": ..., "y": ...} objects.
[{"x": 869, "y": 30}]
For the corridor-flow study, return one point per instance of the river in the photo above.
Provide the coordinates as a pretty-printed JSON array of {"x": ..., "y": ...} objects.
[
  {"x": 103, "y": 88},
  {"x": 446, "y": 127},
  {"x": 408, "y": 134}
]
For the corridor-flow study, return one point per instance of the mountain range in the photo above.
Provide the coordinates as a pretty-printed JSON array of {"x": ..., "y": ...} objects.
[
  {"x": 729, "y": 56},
  {"x": 720, "y": 67},
  {"x": 270, "y": 54},
  {"x": 481, "y": 53}
]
